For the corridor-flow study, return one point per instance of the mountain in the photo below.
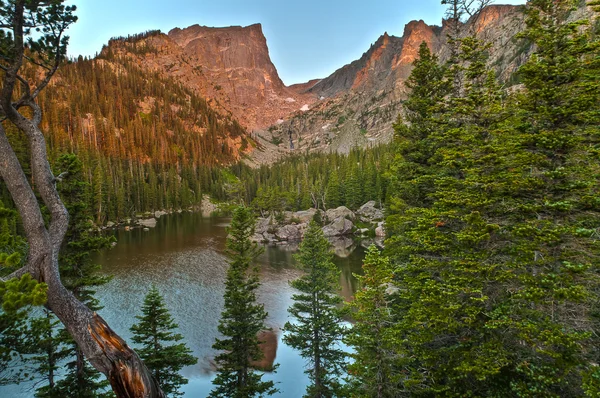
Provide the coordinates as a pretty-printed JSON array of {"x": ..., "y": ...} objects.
[
  {"x": 360, "y": 101},
  {"x": 231, "y": 67},
  {"x": 221, "y": 98}
]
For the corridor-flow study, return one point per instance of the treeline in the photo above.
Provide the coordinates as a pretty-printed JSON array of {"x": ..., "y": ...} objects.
[{"x": 318, "y": 180}]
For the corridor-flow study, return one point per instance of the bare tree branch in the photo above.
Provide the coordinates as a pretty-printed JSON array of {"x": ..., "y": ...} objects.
[{"x": 105, "y": 350}]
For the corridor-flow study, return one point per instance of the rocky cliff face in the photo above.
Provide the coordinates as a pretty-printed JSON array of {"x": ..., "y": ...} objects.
[
  {"x": 355, "y": 106},
  {"x": 360, "y": 101},
  {"x": 229, "y": 66}
]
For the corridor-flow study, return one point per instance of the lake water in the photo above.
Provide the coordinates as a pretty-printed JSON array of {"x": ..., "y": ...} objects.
[{"x": 184, "y": 257}]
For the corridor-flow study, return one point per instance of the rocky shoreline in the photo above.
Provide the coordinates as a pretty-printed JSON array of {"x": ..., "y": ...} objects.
[
  {"x": 149, "y": 219},
  {"x": 290, "y": 226}
]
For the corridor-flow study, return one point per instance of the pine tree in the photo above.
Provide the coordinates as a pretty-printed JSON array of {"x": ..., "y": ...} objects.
[
  {"x": 493, "y": 267},
  {"x": 159, "y": 350},
  {"x": 333, "y": 194},
  {"x": 17, "y": 297},
  {"x": 318, "y": 328},
  {"x": 48, "y": 353},
  {"x": 242, "y": 318},
  {"x": 373, "y": 372}
]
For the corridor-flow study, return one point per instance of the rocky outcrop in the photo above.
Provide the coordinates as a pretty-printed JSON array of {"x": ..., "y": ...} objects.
[
  {"x": 360, "y": 101},
  {"x": 338, "y": 227},
  {"x": 369, "y": 212},
  {"x": 338, "y": 222},
  {"x": 229, "y": 66}
]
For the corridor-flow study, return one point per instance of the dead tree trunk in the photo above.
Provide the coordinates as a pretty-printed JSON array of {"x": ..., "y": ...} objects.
[{"x": 105, "y": 350}]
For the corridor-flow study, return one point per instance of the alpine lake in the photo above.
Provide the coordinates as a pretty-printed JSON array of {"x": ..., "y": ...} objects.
[{"x": 184, "y": 257}]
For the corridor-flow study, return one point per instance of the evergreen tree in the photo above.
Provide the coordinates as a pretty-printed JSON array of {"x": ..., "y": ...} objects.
[
  {"x": 318, "y": 329},
  {"x": 48, "y": 353},
  {"x": 79, "y": 274},
  {"x": 17, "y": 297},
  {"x": 242, "y": 318},
  {"x": 354, "y": 188},
  {"x": 415, "y": 142},
  {"x": 333, "y": 195},
  {"x": 493, "y": 266},
  {"x": 374, "y": 372},
  {"x": 159, "y": 350}
]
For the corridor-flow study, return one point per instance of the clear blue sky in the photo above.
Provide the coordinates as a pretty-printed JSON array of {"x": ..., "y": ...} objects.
[{"x": 307, "y": 39}]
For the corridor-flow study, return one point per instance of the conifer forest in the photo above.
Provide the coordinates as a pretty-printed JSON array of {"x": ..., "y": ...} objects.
[{"x": 175, "y": 221}]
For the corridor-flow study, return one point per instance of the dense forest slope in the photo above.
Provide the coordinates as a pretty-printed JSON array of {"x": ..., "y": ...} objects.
[{"x": 146, "y": 142}]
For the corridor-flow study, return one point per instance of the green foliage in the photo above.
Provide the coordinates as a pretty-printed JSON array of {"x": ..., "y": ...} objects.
[
  {"x": 490, "y": 222},
  {"x": 324, "y": 180},
  {"x": 159, "y": 349},
  {"x": 78, "y": 273},
  {"x": 318, "y": 327},
  {"x": 373, "y": 372},
  {"x": 18, "y": 293},
  {"x": 242, "y": 318},
  {"x": 17, "y": 296},
  {"x": 47, "y": 351},
  {"x": 41, "y": 26}
]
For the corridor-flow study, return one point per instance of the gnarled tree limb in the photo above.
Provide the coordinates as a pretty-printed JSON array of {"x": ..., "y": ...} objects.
[{"x": 105, "y": 350}]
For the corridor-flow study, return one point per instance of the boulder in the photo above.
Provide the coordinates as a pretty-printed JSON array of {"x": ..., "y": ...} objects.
[
  {"x": 288, "y": 232},
  {"x": 305, "y": 216},
  {"x": 257, "y": 238},
  {"x": 340, "y": 212},
  {"x": 268, "y": 237},
  {"x": 148, "y": 222},
  {"x": 368, "y": 212},
  {"x": 340, "y": 226},
  {"x": 160, "y": 213},
  {"x": 380, "y": 231}
]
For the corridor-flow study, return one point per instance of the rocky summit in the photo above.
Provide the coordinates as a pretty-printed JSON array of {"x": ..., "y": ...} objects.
[
  {"x": 229, "y": 66},
  {"x": 360, "y": 101},
  {"x": 354, "y": 106}
]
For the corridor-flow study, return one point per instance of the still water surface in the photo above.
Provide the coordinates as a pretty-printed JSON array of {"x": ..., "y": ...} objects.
[{"x": 184, "y": 257}]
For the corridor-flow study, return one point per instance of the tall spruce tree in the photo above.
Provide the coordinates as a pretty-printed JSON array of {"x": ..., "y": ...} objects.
[
  {"x": 159, "y": 350},
  {"x": 242, "y": 318},
  {"x": 493, "y": 269},
  {"x": 318, "y": 328},
  {"x": 374, "y": 371}
]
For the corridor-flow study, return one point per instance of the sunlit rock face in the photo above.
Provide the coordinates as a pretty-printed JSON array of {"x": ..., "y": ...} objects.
[
  {"x": 229, "y": 66},
  {"x": 359, "y": 102},
  {"x": 354, "y": 106}
]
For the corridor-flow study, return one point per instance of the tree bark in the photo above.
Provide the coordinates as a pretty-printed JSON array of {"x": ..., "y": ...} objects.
[{"x": 105, "y": 350}]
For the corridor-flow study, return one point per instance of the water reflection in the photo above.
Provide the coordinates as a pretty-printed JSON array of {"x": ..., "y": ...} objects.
[{"x": 184, "y": 257}]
